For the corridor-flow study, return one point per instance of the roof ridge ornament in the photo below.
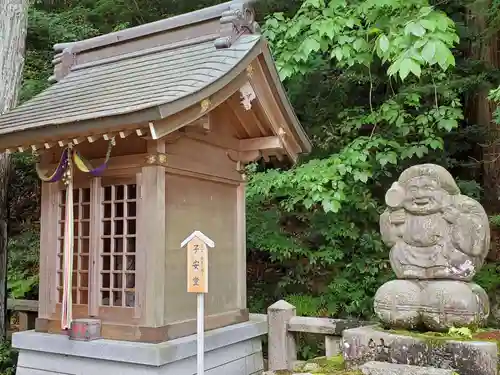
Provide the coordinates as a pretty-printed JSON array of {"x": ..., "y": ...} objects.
[
  {"x": 63, "y": 62},
  {"x": 238, "y": 20}
]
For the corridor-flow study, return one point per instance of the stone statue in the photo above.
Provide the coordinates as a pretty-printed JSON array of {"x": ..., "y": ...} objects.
[{"x": 439, "y": 240}]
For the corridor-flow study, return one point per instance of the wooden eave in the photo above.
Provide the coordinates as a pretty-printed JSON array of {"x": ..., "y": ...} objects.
[
  {"x": 178, "y": 113},
  {"x": 284, "y": 134}
]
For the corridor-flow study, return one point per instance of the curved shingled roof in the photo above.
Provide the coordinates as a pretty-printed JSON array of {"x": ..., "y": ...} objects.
[
  {"x": 134, "y": 82},
  {"x": 145, "y": 74}
]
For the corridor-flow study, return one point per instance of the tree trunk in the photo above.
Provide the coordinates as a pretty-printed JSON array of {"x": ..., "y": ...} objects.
[
  {"x": 486, "y": 48},
  {"x": 13, "y": 25}
]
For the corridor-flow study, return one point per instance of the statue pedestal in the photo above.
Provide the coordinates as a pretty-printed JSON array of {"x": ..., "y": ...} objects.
[
  {"x": 365, "y": 344},
  {"x": 436, "y": 304},
  {"x": 235, "y": 350}
]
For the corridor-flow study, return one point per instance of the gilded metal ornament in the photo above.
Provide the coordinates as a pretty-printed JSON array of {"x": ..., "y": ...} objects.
[
  {"x": 157, "y": 159},
  {"x": 205, "y": 105}
]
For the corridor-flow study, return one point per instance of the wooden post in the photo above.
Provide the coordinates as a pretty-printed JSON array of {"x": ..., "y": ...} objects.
[
  {"x": 197, "y": 282},
  {"x": 96, "y": 209},
  {"x": 151, "y": 242},
  {"x": 282, "y": 347}
]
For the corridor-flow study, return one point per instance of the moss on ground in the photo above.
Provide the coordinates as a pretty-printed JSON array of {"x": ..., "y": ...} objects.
[
  {"x": 439, "y": 338},
  {"x": 327, "y": 366}
]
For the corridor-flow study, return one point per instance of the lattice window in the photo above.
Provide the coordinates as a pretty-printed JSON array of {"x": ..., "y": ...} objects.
[
  {"x": 81, "y": 245},
  {"x": 118, "y": 245}
]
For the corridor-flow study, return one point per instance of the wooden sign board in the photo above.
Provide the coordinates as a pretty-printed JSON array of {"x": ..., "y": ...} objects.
[
  {"x": 197, "y": 266},
  {"x": 197, "y": 262}
]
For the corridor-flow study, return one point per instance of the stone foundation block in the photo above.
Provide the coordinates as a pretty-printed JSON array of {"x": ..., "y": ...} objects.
[
  {"x": 365, "y": 344},
  {"x": 384, "y": 368},
  {"x": 232, "y": 350}
]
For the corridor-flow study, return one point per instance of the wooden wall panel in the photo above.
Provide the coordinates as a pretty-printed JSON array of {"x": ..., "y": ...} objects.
[
  {"x": 195, "y": 204},
  {"x": 48, "y": 250}
]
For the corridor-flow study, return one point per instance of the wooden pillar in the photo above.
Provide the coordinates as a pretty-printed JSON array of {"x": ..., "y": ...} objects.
[
  {"x": 48, "y": 250},
  {"x": 151, "y": 251},
  {"x": 241, "y": 247},
  {"x": 95, "y": 246}
]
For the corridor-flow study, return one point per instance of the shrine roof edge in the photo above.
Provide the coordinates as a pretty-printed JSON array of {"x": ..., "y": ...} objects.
[{"x": 182, "y": 20}]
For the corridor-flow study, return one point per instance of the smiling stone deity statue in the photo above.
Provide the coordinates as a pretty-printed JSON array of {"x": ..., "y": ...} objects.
[{"x": 439, "y": 240}]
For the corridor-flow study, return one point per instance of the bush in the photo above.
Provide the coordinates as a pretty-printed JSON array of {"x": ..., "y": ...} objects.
[{"x": 8, "y": 359}]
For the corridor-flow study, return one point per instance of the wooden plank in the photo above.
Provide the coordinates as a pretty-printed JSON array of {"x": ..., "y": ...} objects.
[
  {"x": 203, "y": 124},
  {"x": 262, "y": 143},
  {"x": 209, "y": 168},
  {"x": 250, "y": 130},
  {"x": 215, "y": 139},
  {"x": 125, "y": 162},
  {"x": 324, "y": 326},
  {"x": 22, "y": 305}
]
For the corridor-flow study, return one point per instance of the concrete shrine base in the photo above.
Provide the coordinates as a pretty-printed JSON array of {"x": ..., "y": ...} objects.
[{"x": 233, "y": 350}]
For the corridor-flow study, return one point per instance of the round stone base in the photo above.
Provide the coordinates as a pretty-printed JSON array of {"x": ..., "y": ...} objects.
[
  {"x": 435, "y": 304},
  {"x": 447, "y": 304},
  {"x": 397, "y": 304}
]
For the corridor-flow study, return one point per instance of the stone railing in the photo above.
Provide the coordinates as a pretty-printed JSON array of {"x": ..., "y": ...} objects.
[
  {"x": 26, "y": 311},
  {"x": 283, "y": 324}
]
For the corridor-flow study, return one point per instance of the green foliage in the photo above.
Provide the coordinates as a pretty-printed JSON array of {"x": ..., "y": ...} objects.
[
  {"x": 23, "y": 245},
  {"x": 23, "y": 265},
  {"x": 24, "y": 195},
  {"x": 408, "y": 35},
  {"x": 462, "y": 332},
  {"x": 320, "y": 219},
  {"x": 494, "y": 96},
  {"x": 495, "y": 220},
  {"x": 488, "y": 278},
  {"x": 8, "y": 359},
  {"x": 470, "y": 188}
]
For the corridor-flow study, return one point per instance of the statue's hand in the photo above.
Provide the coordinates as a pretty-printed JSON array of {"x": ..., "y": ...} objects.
[{"x": 451, "y": 214}]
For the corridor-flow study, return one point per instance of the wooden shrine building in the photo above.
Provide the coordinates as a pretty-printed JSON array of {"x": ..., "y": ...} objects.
[{"x": 146, "y": 131}]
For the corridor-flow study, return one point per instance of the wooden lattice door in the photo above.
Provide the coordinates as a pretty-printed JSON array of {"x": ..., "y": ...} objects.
[{"x": 118, "y": 245}]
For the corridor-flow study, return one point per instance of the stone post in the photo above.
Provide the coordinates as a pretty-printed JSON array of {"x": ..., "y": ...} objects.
[
  {"x": 332, "y": 346},
  {"x": 282, "y": 347}
]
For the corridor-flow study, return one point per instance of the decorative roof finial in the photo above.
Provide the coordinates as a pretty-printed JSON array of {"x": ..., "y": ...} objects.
[{"x": 238, "y": 20}]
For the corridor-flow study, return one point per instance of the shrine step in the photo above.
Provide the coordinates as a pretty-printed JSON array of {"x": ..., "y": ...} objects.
[{"x": 385, "y": 368}]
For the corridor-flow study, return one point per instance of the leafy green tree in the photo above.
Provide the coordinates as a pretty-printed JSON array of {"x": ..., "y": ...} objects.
[{"x": 322, "y": 215}]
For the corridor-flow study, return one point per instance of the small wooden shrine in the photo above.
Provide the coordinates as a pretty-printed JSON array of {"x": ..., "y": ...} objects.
[{"x": 141, "y": 140}]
